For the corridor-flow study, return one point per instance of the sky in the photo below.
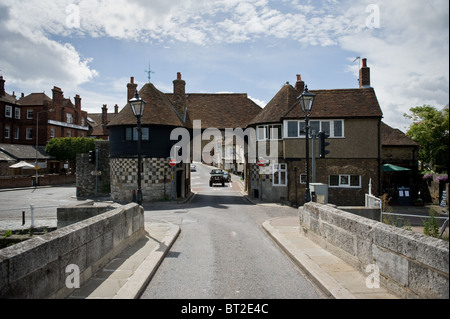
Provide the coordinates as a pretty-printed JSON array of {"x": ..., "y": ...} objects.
[{"x": 92, "y": 48}]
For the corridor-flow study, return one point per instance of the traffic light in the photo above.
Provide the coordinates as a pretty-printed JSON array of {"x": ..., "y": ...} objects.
[
  {"x": 323, "y": 144},
  {"x": 92, "y": 157}
]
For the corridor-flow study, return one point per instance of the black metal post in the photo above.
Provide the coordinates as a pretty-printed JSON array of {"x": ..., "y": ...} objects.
[
  {"x": 139, "y": 191},
  {"x": 307, "y": 191}
]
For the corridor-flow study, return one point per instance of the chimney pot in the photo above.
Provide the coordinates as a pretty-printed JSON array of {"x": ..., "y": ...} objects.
[
  {"x": 178, "y": 76},
  {"x": 299, "y": 77},
  {"x": 132, "y": 87},
  {"x": 364, "y": 75}
]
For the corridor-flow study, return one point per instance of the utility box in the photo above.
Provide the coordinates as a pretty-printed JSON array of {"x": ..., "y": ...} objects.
[{"x": 319, "y": 193}]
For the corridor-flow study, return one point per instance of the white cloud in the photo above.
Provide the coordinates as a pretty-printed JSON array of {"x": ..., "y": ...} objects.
[{"x": 408, "y": 55}]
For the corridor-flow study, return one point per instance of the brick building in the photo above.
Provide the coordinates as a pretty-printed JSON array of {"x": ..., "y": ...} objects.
[
  {"x": 352, "y": 119},
  {"x": 52, "y": 117}
]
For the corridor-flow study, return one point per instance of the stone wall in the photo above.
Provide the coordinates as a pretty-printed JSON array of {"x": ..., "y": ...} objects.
[
  {"x": 72, "y": 214},
  {"x": 89, "y": 185},
  {"x": 36, "y": 268},
  {"x": 156, "y": 179},
  {"x": 411, "y": 265}
]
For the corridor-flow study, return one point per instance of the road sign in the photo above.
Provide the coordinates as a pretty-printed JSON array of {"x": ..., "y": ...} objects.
[
  {"x": 261, "y": 163},
  {"x": 173, "y": 162}
]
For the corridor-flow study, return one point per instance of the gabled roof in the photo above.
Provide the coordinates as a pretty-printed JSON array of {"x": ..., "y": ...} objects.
[
  {"x": 280, "y": 105},
  {"x": 395, "y": 137},
  {"x": 34, "y": 99},
  {"x": 8, "y": 99},
  {"x": 342, "y": 103},
  {"x": 95, "y": 121},
  {"x": 157, "y": 111},
  {"x": 221, "y": 110}
]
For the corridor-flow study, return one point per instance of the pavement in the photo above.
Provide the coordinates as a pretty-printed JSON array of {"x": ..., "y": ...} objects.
[{"x": 128, "y": 274}]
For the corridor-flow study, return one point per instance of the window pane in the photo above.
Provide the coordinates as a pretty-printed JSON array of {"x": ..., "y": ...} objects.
[
  {"x": 338, "y": 129},
  {"x": 326, "y": 127},
  {"x": 275, "y": 132},
  {"x": 260, "y": 132},
  {"x": 302, "y": 129},
  {"x": 276, "y": 178},
  {"x": 355, "y": 181},
  {"x": 345, "y": 180},
  {"x": 135, "y": 134},
  {"x": 334, "y": 180},
  {"x": 303, "y": 179},
  {"x": 315, "y": 126},
  {"x": 292, "y": 129},
  {"x": 128, "y": 134},
  {"x": 283, "y": 178},
  {"x": 145, "y": 134}
]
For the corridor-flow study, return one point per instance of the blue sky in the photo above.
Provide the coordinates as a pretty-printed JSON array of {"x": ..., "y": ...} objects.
[{"x": 92, "y": 48}]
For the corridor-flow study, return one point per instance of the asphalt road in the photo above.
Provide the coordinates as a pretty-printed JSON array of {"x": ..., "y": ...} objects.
[
  {"x": 45, "y": 200},
  {"x": 222, "y": 251}
]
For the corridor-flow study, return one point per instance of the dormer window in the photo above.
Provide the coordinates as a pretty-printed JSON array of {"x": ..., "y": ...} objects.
[{"x": 69, "y": 118}]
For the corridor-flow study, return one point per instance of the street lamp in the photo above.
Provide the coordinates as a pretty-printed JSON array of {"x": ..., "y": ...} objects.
[
  {"x": 306, "y": 100},
  {"x": 137, "y": 106},
  {"x": 36, "y": 167}
]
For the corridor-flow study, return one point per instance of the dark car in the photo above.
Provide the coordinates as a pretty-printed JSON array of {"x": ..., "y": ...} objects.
[
  {"x": 217, "y": 177},
  {"x": 227, "y": 176}
]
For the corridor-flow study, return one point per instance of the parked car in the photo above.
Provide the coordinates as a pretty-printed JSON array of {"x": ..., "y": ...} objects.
[
  {"x": 217, "y": 177},
  {"x": 193, "y": 168}
]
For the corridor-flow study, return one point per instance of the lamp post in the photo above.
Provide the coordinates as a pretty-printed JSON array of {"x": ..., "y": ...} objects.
[
  {"x": 306, "y": 100},
  {"x": 37, "y": 142},
  {"x": 137, "y": 106}
]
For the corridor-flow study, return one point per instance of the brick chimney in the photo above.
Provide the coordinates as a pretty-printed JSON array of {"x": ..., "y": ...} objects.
[
  {"x": 77, "y": 102},
  {"x": 2, "y": 86},
  {"x": 116, "y": 109},
  {"x": 105, "y": 114},
  {"x": 131, "y": 89},
  {"x": 364, "y": 75},
  {"x": 299, "y": 85},
  {"x": 58, "y": 97},
  {"x": 179, "y": 90}
]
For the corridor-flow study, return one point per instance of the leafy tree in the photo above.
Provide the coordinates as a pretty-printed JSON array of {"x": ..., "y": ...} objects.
[
  {"x": 67, "y": 148},
  {"x": 430, "y": 129}
]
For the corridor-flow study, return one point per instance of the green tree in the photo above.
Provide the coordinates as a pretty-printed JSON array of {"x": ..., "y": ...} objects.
[
  {"x": 430, "y": 129},
  {"x": 67, "y": 148}
]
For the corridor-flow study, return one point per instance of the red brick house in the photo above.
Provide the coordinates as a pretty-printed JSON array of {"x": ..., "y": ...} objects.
[
  {"x": 98, "y": 123},
  {"x": 53, "y": 117}
]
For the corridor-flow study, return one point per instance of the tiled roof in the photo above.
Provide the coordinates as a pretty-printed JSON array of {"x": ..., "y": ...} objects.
[
  {"x": 34, "y": 99},
  {"x": 95, "y": 121},
  {"x": 8, "y": 99},
  {"x": 24, "y": 152},
  {"x": 395, "y": 137},
  {"x": 342, "y": 103},
  {"x": 221, "y": 110},
  {"x": 280, "y": 105},
  {"x": 214, "y": 110},
  {"x": 158, "y": 110}
]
